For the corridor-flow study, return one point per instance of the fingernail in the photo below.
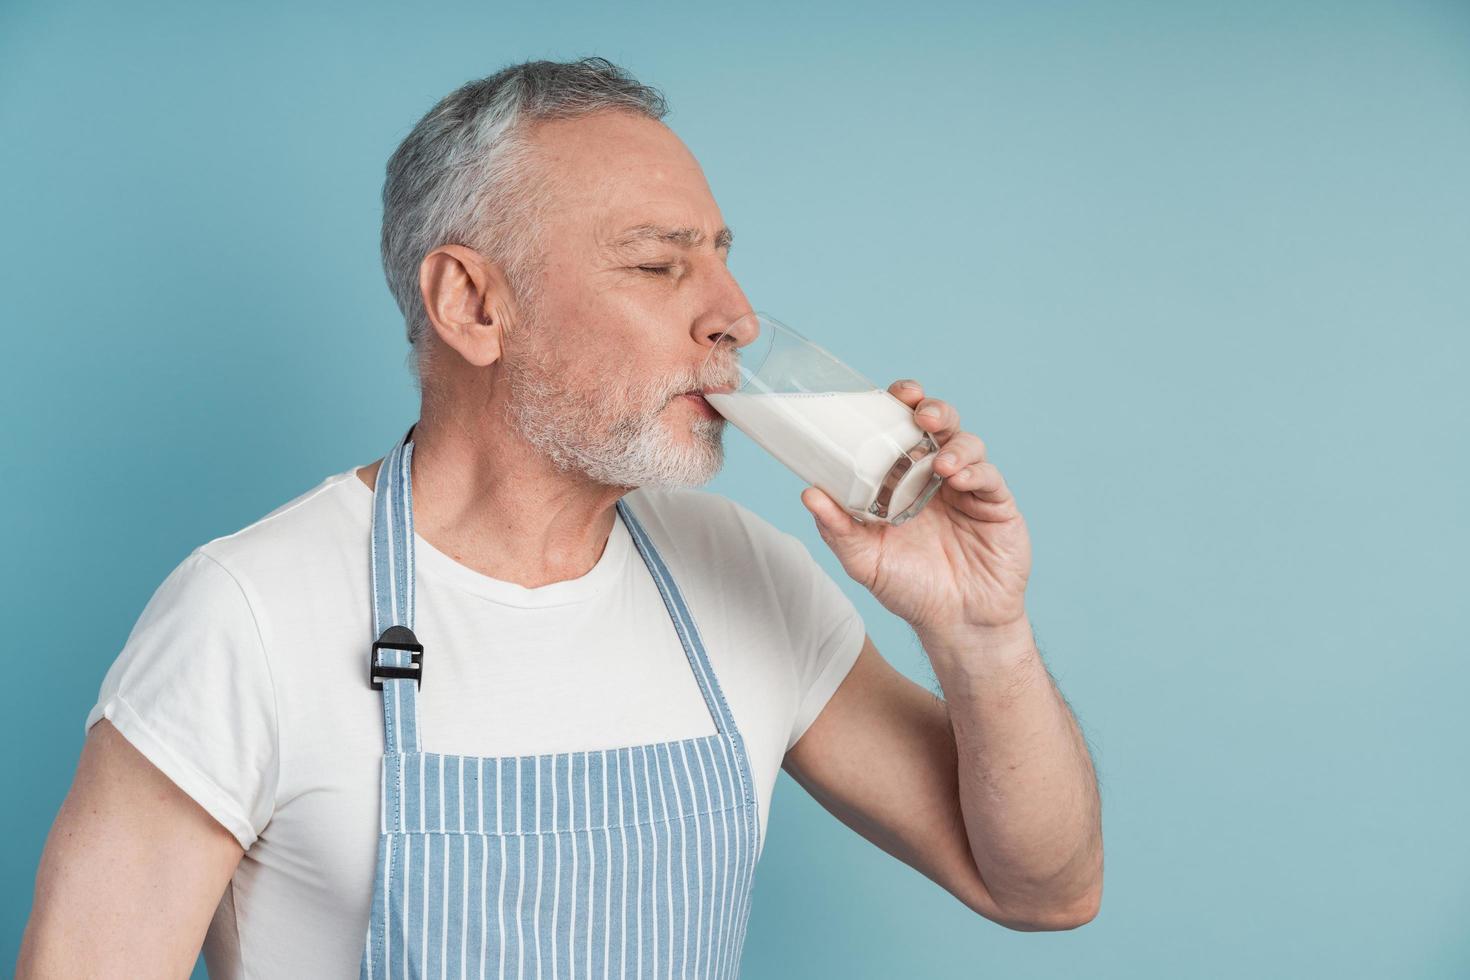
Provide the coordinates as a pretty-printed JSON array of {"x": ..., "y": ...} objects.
[
  {"x": 911, "y": 385},
  {"x": 929, "y": 410},
  {"x": 946, "y": 458}
]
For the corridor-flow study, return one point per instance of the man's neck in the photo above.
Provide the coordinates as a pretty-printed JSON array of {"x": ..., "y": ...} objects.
[{"x": 528, "y": 524}]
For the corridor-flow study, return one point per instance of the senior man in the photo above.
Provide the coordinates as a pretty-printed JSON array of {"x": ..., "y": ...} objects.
[{"x": 512, "y": 700}]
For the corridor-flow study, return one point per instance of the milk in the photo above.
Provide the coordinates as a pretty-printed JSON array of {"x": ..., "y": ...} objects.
[{"x": 844, "y": 442}]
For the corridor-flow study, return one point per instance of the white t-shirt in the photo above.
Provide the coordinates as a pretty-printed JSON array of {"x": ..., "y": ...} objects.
[{"x": 245, "y": 681}]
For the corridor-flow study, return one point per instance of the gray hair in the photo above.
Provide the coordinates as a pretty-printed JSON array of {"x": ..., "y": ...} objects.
[{"x": 465, "y": 175}]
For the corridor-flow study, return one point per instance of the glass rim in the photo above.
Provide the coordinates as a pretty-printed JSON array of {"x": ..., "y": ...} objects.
[
  {"x": 749, "y": 372},
  {"x": 761, "y": 317}
]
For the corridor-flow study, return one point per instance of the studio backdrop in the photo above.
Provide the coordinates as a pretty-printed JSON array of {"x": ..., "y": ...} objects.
[{"x": 1196, "y": 273}]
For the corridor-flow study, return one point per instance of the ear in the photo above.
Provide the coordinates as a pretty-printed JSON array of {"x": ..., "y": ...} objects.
[{"x": 468, "y": 301}]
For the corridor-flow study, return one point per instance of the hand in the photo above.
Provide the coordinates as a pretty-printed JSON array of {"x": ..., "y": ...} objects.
[{"x": 961, "y": 562}]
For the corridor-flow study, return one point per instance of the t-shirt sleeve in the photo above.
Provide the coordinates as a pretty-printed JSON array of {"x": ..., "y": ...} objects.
[
  {"x": 826, "y": 629},
  {"x": 191, "y": 690}
]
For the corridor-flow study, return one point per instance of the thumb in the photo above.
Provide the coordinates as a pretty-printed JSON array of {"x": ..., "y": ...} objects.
[{"x": 836, "y": 526}]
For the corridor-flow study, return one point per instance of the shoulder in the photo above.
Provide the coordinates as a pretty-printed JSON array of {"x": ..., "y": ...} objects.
[{"x": 297, "y": 536}]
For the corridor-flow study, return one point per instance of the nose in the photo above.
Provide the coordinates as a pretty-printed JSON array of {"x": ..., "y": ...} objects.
[
  {"x": 740, "y": 328},
  {"x": 728, "y": 333}
]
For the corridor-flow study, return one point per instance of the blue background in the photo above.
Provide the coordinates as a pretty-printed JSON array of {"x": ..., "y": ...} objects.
[{"x": 1198, "y": 273}]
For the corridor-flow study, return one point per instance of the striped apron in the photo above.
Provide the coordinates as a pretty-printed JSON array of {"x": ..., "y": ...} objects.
[{"x": 634, "y": 861}]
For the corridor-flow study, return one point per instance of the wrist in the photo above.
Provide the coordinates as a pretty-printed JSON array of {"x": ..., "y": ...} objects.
[
  {"x": 988, "y": 634},
  {"x": 984, "y": 644}
]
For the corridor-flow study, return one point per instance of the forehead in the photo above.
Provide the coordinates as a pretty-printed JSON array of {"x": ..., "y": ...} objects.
[{"x": 622, "y": 178}]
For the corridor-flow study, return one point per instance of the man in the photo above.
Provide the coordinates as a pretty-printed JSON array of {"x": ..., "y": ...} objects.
[{"x": 564, "y": 764}]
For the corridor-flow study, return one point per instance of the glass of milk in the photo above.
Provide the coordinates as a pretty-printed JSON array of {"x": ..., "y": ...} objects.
[{"x": 830, "y": 425}]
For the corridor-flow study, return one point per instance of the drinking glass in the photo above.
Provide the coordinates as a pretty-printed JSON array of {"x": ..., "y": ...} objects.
[{"x": 826, "y": 422}]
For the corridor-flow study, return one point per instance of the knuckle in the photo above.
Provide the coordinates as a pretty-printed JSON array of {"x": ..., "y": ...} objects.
[{"x": 967, "y": 440}]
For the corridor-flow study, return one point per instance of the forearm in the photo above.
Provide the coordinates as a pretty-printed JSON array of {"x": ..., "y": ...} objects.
[{"x": 1027, "y": 788}]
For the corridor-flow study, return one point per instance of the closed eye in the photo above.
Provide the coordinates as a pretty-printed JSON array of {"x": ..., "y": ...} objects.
[{"x": 656, "y": 269}]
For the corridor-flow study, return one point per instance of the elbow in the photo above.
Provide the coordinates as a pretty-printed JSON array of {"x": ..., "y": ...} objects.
[
  {"x": 1056, "y": 909},
  {"x": 1056, "y": 918},
  {"x": 1079, "y": 914}
]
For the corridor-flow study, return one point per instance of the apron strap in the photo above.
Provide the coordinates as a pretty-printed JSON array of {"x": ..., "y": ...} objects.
[
  {"x": 678, "y": 609},
  {"x": 395, "y": 661}
]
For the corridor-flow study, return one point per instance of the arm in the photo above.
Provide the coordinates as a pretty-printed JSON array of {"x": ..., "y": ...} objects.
[
  {"x": 988, "y": 793},
  {"x": 1004, "y": 776},
  {"x": 130, "y": 875}
]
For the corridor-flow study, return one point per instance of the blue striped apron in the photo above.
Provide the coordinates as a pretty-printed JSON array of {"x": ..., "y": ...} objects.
[{"x": 635, "y": 861}]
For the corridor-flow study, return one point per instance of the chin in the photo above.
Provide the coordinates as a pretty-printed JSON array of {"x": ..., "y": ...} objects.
[{"x": 695, "y": 470}]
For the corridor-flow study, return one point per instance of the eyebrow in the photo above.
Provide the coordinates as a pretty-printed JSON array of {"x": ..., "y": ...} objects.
[{"x": 683, "y": 237}]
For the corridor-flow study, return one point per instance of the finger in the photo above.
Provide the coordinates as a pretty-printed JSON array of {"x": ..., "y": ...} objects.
[
  {"x": 980, "y": 508},
  {"x": 938, "y": 418},
  {"x": 907, "y": 391},
  {"x": 835, "y": 525},
  {"x": 983, "y": 480},
  {"x": 961, "y": 450}
]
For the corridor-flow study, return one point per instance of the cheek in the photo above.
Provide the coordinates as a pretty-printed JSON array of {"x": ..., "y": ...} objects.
[{"x": 609, "y": 348}]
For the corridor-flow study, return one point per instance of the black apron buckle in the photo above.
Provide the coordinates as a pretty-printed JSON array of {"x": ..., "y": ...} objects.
[{"x": 396, "y": 638}]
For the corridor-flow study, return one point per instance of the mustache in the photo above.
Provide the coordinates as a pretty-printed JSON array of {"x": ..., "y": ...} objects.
[{"x": 722, "y": 378}]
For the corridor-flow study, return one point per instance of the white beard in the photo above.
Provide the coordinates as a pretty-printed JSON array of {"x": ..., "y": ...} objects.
[{"x": 615, "y": 437}]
